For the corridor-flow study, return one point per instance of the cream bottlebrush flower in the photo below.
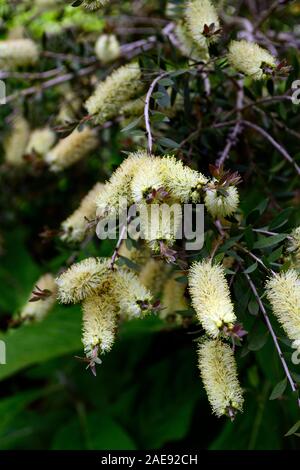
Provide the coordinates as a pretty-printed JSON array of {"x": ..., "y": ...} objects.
[
  {"x": 37, "y": 310},
  {"x": 18, "y": 52},
  {"x": 133, "y": 107},
  {"x": 107, "y": 48},
  {"x": 294, "y": 247},
  {"x": 199, "y": 13},
  {"x": 122, "y": 85},
  {"x": 154, "y": 274},
  {"x": 70, "y": 105},
  {"x": 76, "y": 226},
  {"x": 188, "y": 47},
  {"x": 71, "y": 149},
  {"x": 183, "y": 183},
  {"x": 94, "y": 4},
  {"x": 219, "y": 374},
  {"x": 16, "y": 142},
  {"x": 249, "y": 58},
  {"x": 99, "y": 325},
  {"x": 160, "y": 223},
  {"x": 132, "y": 296},
  {"x": 41, "y": 141},
  {"x": 283, "y": 293},
  {"x": 82, "y": 280},
  {"x": 147, "y": 180},
  {"x": 211, "y": 297},
  {"x": 117, "y": 189},
  {"x": 173, "y": 298},
  {"x": 221, "y": 205}
]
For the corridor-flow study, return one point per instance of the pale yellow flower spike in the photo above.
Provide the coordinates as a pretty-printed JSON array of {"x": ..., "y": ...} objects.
[
  {"x": 71, "y": 149},
  {"x": 118, "y": 186},
  {"x": 107, "y": 48},
  {"x": 219, "y": 374},
  {"x": 188, "y": 47},
  {"x": 199, "y": 13},
  {"x": 82, "y": 280},
  {"x": 76, "y": 226},
  {"x": 18, "y": 53},
  {"x": 147, "y": 178},
  {"x": 37, "y": 311},
  {"x": 219, "y": 205},
  {"x": 41, "y": 141},
  {"x": 15, "y": 144},
  {"x": 132, "y": 296},
  {"x": 154, "y": 274},
  {"x": 122, "y": 85},
  {"x": 173, "y": 298},
  {"x": 249, "y": 58},
  {"x": 211, "y": 297},
  {"x": 99, "y": 325},
  {"x": 283, "y": 293}
]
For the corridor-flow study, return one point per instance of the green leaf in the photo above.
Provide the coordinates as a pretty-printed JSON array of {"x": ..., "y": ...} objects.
[
  {"x": 279, "y": 389},
  {"x": 293, "y": 429},
  {"x": 267, "y": 242},
  {"x": 132, "y": 125},
  {"x": 251, "y": 268},
  {"x": 169, "y": 143},
  {"x": 58, "y": 334},
  {"x": 280, "y": 219}
]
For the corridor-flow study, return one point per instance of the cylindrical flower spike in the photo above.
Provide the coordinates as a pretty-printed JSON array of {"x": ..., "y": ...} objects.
[
  {"x": 118, "y": 187},
  {"x": 18, "y": 53},
  {"x": 173, "y": 298},
  {"x": 16, "y": 142},
  {"x": 211, "y": 297},
  {"x": 283, "y": 293},
  {"x": 184, "y": 184},
  {"x": 222, "y": 205},
  {"x": 72, "y": 149},
  {"x": 82, "y": 280},
  {"x": 250, "y": 59},
  {"x": 122, "y": 85},
  {"x": 132, "y": 296},
  {"x": 99, "y": 325},
  {"x": 200, "y": 15},
  {"x": 41, "y": 301},
  {"x": 41, "y": 141},
  {"x": 76, "y": 226},
  {"x": 148, "y": 181},
  {"x": 219, "y": 374},
  {"x": 154, "y": 274},
  {"x": 107, "y": 48},
  {"x": 188, "y": 47}
]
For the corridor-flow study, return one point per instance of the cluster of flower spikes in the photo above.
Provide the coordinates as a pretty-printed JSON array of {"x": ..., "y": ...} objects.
[
  {"x": 107, "y": 294},
  {"x": 145, "y": 181},
  {"x": 211, "y": 300}
]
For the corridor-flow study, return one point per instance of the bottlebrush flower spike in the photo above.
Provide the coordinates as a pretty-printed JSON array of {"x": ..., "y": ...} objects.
[
  {"x": 219, "y": 374},
  {"x": 188, "y": 47},
  {"x": 147, "y": 182},
  {"x": 76, "y": 226},
  {"x": 202, "y": 21},
  {"x": 283, "y": 293},
  {"x": 18, "y": 53},
  {"x": 15, "y": 144},
  {"x": 250, "y": 59},
  {"x": 99, "y": 326},
  {"x": 221, "y": 202},
  {"x": 40, "y": 141},
  {"x": 118, "y": 187},
  {"x": 122, "y": 85},
  {"x": 41, "y": 301},
  {"x": 107, "y": 48},
  {"x": 82, "y": 280},
  {"x": 153, "y": 275},
  {"x": 71, "y": 149},
  {"x": 183, "y": 183},
  {"x": 173, "y": 297},
  {"x": 211, "y": 297},
  {"x": 132, "y": 296}
]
